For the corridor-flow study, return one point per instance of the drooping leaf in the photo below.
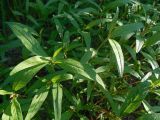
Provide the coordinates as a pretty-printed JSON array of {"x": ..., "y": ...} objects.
[
  {"x": 24, "y": 33},
  {"x": 153, "y": 116},
  {"x": 4, "y": 92},
  {"x": 57, "y": 100},
  {"x": 37, "y": 102},
  {"x": 116, "y": 3},
  {"x": 147, "y": 107},
  {"x": 119, "y": 55},
  {"x": 134, "y": 98},
  {"x": 126, "y": 29},
  {"x": 152, "y": 62},
  {"x": 16, "y": 110},
  {"x": 84, "y": 70},
  {"x": 27, "y": 69}
]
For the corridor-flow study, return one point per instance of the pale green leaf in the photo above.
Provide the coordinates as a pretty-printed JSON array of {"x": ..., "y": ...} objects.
[
  {"x": 37, "y": 102},
  {"x": 4, "y": 92},
  {"x": 119, "y": 55},
  {"x": 61, "y": 77},
  {"x": 16, "y": 110},
  {"x": 27, "y": 69}
]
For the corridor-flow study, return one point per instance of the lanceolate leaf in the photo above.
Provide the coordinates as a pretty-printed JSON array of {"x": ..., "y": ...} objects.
[
  {"x": 4, "y": 92},
  {"x": 153, "y": 116},
  {"x": 116, "y": 3},
  {"x": 87, "y": 38},
  {"x": 25, "y": 71},
  {"x": 57, "y": 100},
  {"x": 153, "y": 39},
  {"x": 62, "y": 77},
  {"x": 59, "y": 27},
  {"x": 152, "y": 62},
  {"x": 139, "y": 43},
  {"x": 119, "y": 55},
  {"x": 84, "y": 70},
  {"x": 16, "y": 110},
  {"x": 24, "y": 33},
  {"x": 134, "y": 98},
  {"x": 126, "y": 29},
  {"x": 37, "y": 102}
]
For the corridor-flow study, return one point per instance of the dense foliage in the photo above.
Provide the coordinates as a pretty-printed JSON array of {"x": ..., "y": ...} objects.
[{"x": 80, "y": 59}]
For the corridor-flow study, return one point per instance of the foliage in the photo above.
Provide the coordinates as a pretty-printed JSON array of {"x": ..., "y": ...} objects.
[{"x": 79, "y": 59}]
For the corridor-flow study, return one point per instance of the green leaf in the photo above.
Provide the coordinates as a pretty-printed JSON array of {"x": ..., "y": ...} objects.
[
  {"x": 116, "y": 3},
  {"x": 72, "y": 20},
  {"x": 126, "y": 29},
  {"x": 87, "y": 38},
  {"x": 134, "y": 98},
  {"x": 152, "y": 62},
  {"x": 131, "y": 51},
  {"x": 24, "y": 33},
  {"x": 97, "y": 22},
  {"x": 67, "y": 115},
  {"x": 7, "y": 115},
  {"x": 153, "y": 116},
  {"x": 83, "y": 70},
  {"x": 57, "y": 100},
  {"x": 87, "y": 56},
  {"x": 61, "y": 77},
  {"x": 147, "y": 107},
  {"x": 27, "y": 69},
  {"x": 119, "y": 55},
  {"x": 59, "y": 27},
  {"x": 4, "y": 92},
  {"x": 37, "y": 102},
  {"x": 153, "y": 39},
  {"x": 16, "y": 110},
  {"x": 90, "y": 86},
  {"x": 139, "y": 43},
  {"x": 66, "y": 39}
]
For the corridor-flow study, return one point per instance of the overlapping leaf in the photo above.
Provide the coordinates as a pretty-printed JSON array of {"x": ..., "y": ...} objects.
[
  {"x": 84, "y": 70},
  {"x": 25, "y": 71}
]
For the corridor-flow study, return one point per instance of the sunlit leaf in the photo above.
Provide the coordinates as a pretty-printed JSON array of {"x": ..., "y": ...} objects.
[
  {"x": 27, "y": 69},
  {"x": 37, "y": 102},
  {"x": 119, "y": 55},
  {"x": 16, "y": 110}
]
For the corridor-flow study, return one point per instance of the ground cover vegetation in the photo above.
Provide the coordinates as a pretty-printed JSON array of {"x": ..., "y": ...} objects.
[{"x": 79, "y": 59}]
